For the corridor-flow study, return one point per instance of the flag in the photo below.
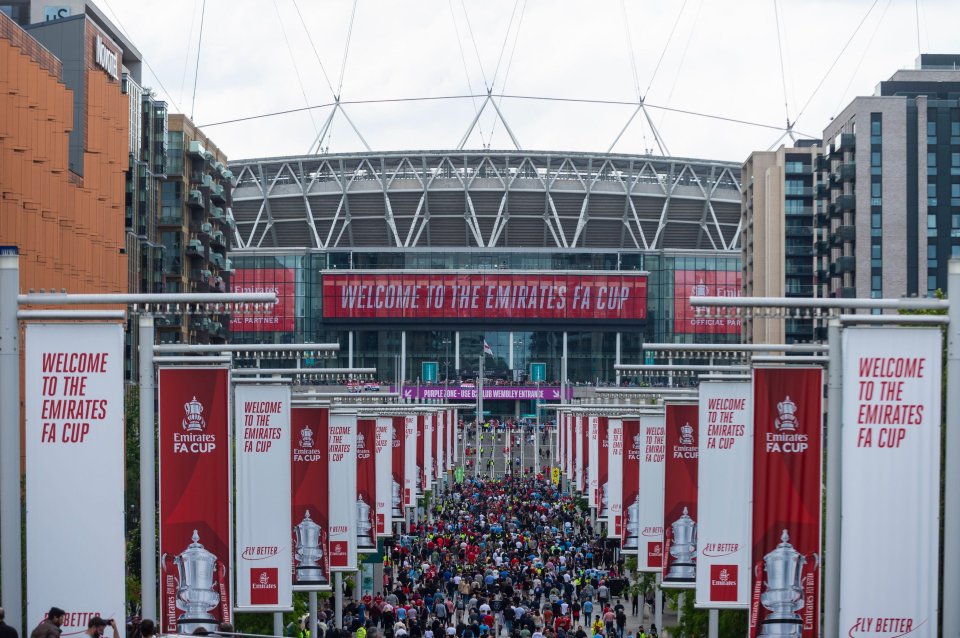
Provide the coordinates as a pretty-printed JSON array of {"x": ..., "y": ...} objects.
[{"x": 486, "y": 348}]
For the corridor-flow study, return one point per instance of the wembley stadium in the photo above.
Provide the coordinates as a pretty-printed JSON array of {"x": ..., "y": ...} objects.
[{"x": 558, "y": 265}]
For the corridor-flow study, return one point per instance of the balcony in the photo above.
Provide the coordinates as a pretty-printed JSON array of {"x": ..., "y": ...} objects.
[
  {"x": 848, "y": 142},
  {"x": 195, "y": 248},
  {"x": 822, "y": 247},
  {"x": 802, "y": 191},
  {"x": 848, "y": 171},
  {"x": 821, "y": 219},
  {"x": 823, "y": 276},
  {"x": 171, "y": 219},
  {"x": 216, "y": 194},
  {"x": 796, "y": 168},
  {"x": 847, "y": 202},
  {"x": 217, "y": 213},
  {"x": 169, "y": 320},
  {"x": 836, "y": 212},
  {"x": 218, "y": 260},
  {"x": 823, "y": 163},
  {"x": 799, "y": 231},
  {"x": 228, "y": 266},
  {"x": 206, "y": 181},
  {"x": 196, "y": 149},
  {"x": 823, "y": 191},
  {"x": 201, "y": 324},
  {"x": 846, "y": 232},
  {"x": 848, "y": 292},
  {"x": 845, "y": 264},
  {"x": 195, "y": 199},
  {"x": 218, "y": 239}
]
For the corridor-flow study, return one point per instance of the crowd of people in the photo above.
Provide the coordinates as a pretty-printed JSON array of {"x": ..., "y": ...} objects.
[{"x": 510, "y": 556}]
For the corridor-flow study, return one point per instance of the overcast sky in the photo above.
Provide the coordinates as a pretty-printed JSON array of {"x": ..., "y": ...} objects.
[{"x": 722, "y": 59}]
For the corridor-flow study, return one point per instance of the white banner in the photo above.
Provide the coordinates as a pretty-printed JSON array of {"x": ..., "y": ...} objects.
[
  {"x": 724, "y": 487},
  {"x": 410, "y": 461},
  {"x": 342, "y": 474},
  {"x": 429, "y": 425},
  {"x": 579, "y": 475},
  {"x": 593, "y": 461},
  {"x": 653, "y": 430},
  {"x": 455, "y": 437},
  {"x": 74, "y": 443},
  {"x": 263, "y": 554},
  {"x": 891, "y": 481},
  {"x": 614, "y": 476},
  {"x": 384, "y": 465},
  {"x": 440, "y": 437},
  {"x": 568, "y": 447}
]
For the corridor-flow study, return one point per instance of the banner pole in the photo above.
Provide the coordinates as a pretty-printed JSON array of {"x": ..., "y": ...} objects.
[
  {"x": 11, "y": 558},
  {"x": 951, "y": 506},
  {"x": 312, "y": 608},
  {"x": 338, "y": 599},
  {"x": 277, "y": 623},
  {"x": 831, "y": 598},
  {"x": 658, "y": 603},
  {"x": 148, "y": 479},
  {"x": 714, "y": 624}
]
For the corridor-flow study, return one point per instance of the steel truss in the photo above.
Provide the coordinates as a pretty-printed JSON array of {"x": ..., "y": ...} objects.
[{"x": 469, "y": 199}]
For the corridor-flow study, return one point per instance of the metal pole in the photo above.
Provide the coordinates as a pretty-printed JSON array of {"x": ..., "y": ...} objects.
[
  {"x": 338, "y": 599},
  {"x": 11, "y": 559},
  {"x": 312, "y": 602},
  {"x": 834, "y": 442},
  {"x": 148, "y": 479},
  {"x": 658, "y": 603},
  {"x": 277, "y": 623},
  {"x": 680, "y": 606},
  {"x": 714, "y": 624},
  {"x": 951, "y": 505}
]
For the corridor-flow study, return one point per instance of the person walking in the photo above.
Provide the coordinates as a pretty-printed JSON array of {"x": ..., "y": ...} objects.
[
  {"x": 6, "y": 631},
  {"x": 49, "y": 627}
]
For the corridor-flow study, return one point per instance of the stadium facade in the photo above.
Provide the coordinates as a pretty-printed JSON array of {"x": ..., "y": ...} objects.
[{"x": 418, "y": 258}]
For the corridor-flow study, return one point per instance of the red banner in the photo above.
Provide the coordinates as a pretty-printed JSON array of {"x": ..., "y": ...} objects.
[
  {"x": 437, "y": 439},
  {"x": 700, "y": 283},
  {"x": 603, "y": 463},
  {"x": 436, "y": 295},
  {"x": 399, "y": 466},
  {"x": 630, "y": 496},
  {"x": 787, "y": 422},
  {"x": 366, "y": 486},
  {"x": 280, "y": 317},
  {"x": 195, "y": 541},
  {"x": 680, "y": 496},
  {"x": 309, "y": 501}
]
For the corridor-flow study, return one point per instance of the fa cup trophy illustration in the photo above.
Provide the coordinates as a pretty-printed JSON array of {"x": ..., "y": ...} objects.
[
  {"x": 683, "y": 549},
  {"x": 396, "y": 500},
  {"x": 604, "y": 500},
  {"x": 782, "y": 596},
  {"x": 364, "y": 524},
  {"x": 309, "y": 552},
  {"x": 196, "y": 587}
]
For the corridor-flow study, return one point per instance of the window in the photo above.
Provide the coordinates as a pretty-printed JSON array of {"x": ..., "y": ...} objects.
[
  {"x": 955, "y": 132},
  {"x": 931, "y": 284},
  {"x": 876, "y": 256},
  {"x": 931, "y": 255},
  {"x": 955, "y": 194},
  {"x": 955, "y": 163},
  {"x": 931, "y": 194},
  {"x": 875, "y": 124},
  {"x": 875, "y": 163},
  {"x": 931, "y": 132},
  {"x": 794, "y": 206},
  {"x": 794, "y": 187},
  {"x": 876, "y": 282},
  {"x": 954, "y": 251},
  {"x": 876, "y": 220},
  {"x": 931, "y": 163},
  {"x": 931, "y": 225}
]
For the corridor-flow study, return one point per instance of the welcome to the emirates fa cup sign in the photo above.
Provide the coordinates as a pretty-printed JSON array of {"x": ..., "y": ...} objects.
[
  {"x": 384, "y": 476},
  {"x": 262, "y": 433},
  {"x": 73, "y": 435},
  {"x": 724, "y": 483},
  {"x": 787, "y": 420},
  {"x": 342, "y": 488},
  {"x": 612, "y": 488},
  {"x": 629, "y": 531},
  {"x": 195, "y": 521},
  {"x": 891, "y": 468},
  {"x": 650, "y": 553}
]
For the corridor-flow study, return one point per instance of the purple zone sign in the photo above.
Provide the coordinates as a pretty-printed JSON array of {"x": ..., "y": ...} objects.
[{"x": 508, "y": 392}]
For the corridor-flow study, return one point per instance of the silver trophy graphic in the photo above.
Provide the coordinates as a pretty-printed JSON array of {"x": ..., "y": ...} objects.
[
  {"x": 309, "y": 551},
  {"x": 783, "y": 589},
  {"x": 683, "y": 549},
  {"x": 196, "y": 587},
  {"x": 632, "y": 537},
  {"x": 396, "y": 500},
  {"x": 364, "y": 525}
]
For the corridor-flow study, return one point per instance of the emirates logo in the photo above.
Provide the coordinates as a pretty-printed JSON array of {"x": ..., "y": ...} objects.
[
  {"x": 637, "y": 442},
  {"x": 724, "y": 576},
  {"x": 786, "y": 420},
  {"x": 686, "y": 434},
  {"x": 193, "y": 421},
  {"x": 306, "y": 437},
  {"x": 264, "y": 579},
  {"x": 699, "y": 290}
]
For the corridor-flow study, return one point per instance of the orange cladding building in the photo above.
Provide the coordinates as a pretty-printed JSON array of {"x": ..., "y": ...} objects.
[{"x": 62, "y": 195}]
